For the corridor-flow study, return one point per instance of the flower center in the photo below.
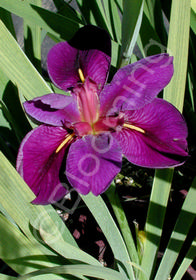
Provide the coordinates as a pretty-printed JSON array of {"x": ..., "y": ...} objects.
[
  {"x": 88, "y": 105},
  {"x": 87, "y": 99}
]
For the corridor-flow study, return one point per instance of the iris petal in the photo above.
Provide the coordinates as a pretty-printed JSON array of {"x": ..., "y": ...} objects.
[
  {"x": 92, "y": 163},
  {"x": 161, "y": 142},
  {"x": 95, "y": 65},
  {"x": 64, "y": 62},
  {"x": 39, "y": 165},
  {"x": 63, "y": 65},
  {"x": 54, "y": 109},
  {"x": 137, "y": 84}
]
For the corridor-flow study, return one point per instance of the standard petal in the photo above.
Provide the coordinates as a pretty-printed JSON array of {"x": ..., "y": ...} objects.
[
  {"x": 89, "y": 50},
  {"x": 95, "y": 65},
  {"x": 94, "y": 44},
  {"x": 62, "y": 63},
  {"x": 92, "y": 163},
  {"x": 39, "y": 164},
  {"x": 53, "y": 109},
  {"x": 137, "y": 84},
  {"x": 163, "y": 140}
]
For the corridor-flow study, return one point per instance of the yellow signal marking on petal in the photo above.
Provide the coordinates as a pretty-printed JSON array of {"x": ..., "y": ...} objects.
[
  {"x": 134, "y": 127},
  {"x": 81, "y": 75},
  {"x": 69, "y": 137}
]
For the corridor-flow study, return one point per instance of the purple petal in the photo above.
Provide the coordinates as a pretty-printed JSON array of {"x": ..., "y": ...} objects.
[
  {"x": 64, "y": 62},
  {"x": 53, "y": 109},
  {"x": 92, "y": 163},
  {"x": 137, "y": 84},
  {"x": 95, "y": 65},
  {"x": 94, "y": 44},
  {"x": 63, "y": 65},
  {"x": 163, "y": 143},
  {"x": 39, "y": 165}
]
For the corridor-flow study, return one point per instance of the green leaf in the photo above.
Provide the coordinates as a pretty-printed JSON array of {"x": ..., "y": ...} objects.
[
  {"x": 14, "y": 113},
  {"x": 9, "y": 124},
  {"x": 58, "y": 25},
  {"x": 178, "y": 36},
  {"x": 119, "y": 4},
  {"x": 18, "y": 251},
  {"x": 112, "y": 14},
  {"x": 18, "y": 68},
  {"x": 181, "y": 229},
  {"x": 78, "y": 270},
  {"x": 190, "y": 256},
  {"x": 156, "y": 18},
  {"x": 25, "y": 256},
  {"x": 122, "y": 221},
  {"x": 131, "y": 22},
  {"x": 7, "y": 142},
  {"x": 4, "y": 212},
  {"x": 65, "y": 249},
  {"x": 66, "y": 10},
  {"x": 155, "y": 219},
  {"x": 6, "y": 17},
  {"x": 7, "y": 116},
  {"x": 32, "y": 40},
  {"x": 16, "y": 197},
  {"x": 193, "y": 20},
  {"x": 148, "y": 7},
  {"x": 151, "y": 43},
  {"x": 104, "y": 219},
  {"x": 7, "y": 277},
  {"x": 193, "y": 5},
  {"x": 94, "y": 13}
]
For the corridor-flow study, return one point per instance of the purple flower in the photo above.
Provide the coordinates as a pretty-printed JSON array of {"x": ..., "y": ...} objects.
[{"x": 84, "y": 135}]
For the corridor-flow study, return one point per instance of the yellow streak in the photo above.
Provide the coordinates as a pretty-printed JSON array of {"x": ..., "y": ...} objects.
[
  {"x": 64, "y": 142},
  {"x": 81, "y": 75},
  {"x": 134, "y": 127}
]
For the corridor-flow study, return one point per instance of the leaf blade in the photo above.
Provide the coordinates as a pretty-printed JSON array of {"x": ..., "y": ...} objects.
[
  {"x": 178, "y": 34},
  {"x": 18, "y": 68},
  {"x": 15, "y": 198},
  {"x": 132, "y": 17},
  {"x": 78, "y": 270},
  {"x": 111, "y": 232},
  {"x": 155, "y": 219},
  {"x": 183, "y": 224}
]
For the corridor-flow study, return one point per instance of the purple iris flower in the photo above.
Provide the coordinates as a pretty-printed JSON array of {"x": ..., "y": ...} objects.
[{"x": 84, "y": 135}]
